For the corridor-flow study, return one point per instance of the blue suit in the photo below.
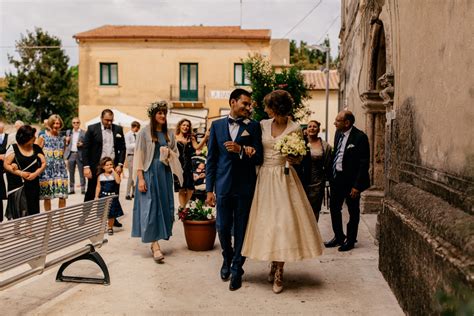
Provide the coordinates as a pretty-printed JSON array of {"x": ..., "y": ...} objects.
[{"x": 232, "y": 176}]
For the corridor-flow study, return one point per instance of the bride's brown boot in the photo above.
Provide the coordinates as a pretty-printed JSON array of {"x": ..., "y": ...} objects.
[
  {"x": 271, "y": 275},
  {"x": 156, "y": 251},
  {"x": 278, "y": 282}
]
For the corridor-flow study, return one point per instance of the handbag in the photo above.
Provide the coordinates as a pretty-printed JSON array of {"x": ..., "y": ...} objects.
[{"x": 17, "y": 205}]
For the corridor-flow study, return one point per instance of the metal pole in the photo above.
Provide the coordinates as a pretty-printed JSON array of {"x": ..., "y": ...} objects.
[
  {"x": 240, "y": 13},
  {"x": 327, "y": 92}
]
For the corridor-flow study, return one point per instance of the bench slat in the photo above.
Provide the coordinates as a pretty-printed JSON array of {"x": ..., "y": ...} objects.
[{"x": 30, "y": 239}]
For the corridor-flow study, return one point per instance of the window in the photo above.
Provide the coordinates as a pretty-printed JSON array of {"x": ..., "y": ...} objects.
[
  {"x": 108, "y": 74},
  {"x": 240, "y": 75},
  {"x": 188, "y": 82}
]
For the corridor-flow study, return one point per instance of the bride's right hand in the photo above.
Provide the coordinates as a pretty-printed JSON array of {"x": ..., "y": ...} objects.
[{"x": 249, "y": 151}]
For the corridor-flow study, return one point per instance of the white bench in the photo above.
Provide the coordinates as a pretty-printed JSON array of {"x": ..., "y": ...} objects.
[{"x": 33, "y": 244}]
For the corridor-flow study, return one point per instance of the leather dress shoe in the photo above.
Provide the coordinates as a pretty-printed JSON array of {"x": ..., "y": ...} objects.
[
  {"x": 348, "y": 245},
  {"x": 235, "y": 283},
  {"x": 117, "y": 223},
  {"x": 334, "y": 243},
  {"x": 225, "y": 272},
  {"x": 128, "y": 197}
]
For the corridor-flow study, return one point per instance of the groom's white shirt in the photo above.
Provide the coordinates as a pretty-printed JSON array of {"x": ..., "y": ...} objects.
[{"x": 233, "y": 129}]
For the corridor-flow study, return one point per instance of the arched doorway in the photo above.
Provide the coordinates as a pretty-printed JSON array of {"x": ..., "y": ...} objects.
[{"x": 375, "y": 104}]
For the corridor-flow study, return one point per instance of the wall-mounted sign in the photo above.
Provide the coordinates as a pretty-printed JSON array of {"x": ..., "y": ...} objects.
[{"x": 220, "y": 94}]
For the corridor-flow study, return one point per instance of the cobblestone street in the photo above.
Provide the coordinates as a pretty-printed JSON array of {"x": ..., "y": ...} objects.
[{"x": 188, "y": 282}]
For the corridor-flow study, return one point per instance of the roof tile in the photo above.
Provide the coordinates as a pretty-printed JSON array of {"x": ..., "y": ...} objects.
[
  {"x": 174, "y": 32},
  {"x": 316, "y": 79}
]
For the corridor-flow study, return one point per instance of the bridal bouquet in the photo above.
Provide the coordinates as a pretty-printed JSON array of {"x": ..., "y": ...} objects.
[{"x": 291, "y": 145}]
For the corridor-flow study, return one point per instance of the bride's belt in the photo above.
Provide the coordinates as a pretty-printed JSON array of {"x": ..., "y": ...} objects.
[{"x": 273, "y": 162}]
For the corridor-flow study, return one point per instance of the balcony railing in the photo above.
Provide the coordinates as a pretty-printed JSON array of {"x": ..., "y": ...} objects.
[{"x": 188, "y": 98}]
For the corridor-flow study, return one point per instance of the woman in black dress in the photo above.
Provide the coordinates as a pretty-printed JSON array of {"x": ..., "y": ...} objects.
[
  {"x": 316, "y": 167},
  {"x": 24, "y": 162},
  {"x": 187, "y": 146}
]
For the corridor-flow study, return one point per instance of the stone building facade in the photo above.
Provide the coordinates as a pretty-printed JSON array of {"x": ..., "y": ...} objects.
[
  {"x": 126, "y": 67},
  {"x": 406, "y": 73}
]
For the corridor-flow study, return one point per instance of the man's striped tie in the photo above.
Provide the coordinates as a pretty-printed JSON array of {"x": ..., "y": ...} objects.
[{"x": 338, "y": 153}]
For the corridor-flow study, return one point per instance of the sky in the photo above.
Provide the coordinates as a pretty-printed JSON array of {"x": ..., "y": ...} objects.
[{"x": 307, "y": 20}]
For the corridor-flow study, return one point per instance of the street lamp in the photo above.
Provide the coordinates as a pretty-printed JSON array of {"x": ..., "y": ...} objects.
[{"x": 325, "y": 49}]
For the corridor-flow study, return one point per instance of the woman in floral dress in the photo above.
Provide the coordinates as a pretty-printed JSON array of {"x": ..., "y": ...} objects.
[{"x": 54, "y": 179}]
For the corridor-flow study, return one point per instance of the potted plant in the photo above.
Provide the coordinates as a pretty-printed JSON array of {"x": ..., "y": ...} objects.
[{"x": 199, "y": 225}]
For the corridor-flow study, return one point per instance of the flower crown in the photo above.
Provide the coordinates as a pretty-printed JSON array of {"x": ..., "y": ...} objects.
[{"x": 157, "y": 106}]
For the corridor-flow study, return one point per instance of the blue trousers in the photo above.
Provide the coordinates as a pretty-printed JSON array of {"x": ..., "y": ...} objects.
[{"x": 232, "y": 215}]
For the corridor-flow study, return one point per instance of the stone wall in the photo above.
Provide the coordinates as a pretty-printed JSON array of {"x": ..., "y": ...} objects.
[{"x": 416, "y": 79}]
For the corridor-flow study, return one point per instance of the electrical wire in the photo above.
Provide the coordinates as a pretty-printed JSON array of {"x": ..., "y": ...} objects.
[
  {"x": 330, "y": 25},
  {"x": 302, "y": 20}
]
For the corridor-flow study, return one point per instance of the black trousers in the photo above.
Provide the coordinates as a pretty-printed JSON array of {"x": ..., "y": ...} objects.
[
  {"x": 340, "y": 192},
  {"x": 232, "y": 216},
  {"x": 91, "y": 186}
]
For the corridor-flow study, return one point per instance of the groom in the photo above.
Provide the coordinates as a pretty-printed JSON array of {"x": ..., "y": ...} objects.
[{"x": 231, "y": 175}]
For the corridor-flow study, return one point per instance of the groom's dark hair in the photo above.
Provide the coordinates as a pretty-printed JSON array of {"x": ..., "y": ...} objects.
[{"x": 235, "y": 95}]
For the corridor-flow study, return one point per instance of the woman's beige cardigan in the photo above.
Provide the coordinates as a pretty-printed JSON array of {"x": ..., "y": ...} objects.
[{"x": 145, "y": 149}]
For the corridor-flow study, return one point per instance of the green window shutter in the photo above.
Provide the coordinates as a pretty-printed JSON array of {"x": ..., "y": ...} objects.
[
  {"x": 240, "y": 75},
  {"x": 108, "y": 74},
  {"x": 188, "y": 82}
]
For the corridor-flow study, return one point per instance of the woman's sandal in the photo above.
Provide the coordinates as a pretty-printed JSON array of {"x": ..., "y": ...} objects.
[{"x": 157, "y": 254}]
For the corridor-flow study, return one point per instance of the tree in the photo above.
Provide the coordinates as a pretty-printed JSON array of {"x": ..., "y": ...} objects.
[
  {"x": 306, "y": 58},
  {"x": 264, "y": 80},
  {"x": 43, "y": 83}
]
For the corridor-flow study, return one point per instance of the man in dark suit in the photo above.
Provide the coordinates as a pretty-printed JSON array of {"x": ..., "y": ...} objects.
[
  {"x": 350, "y": 177},
  {"x": 231, "y": 175},
  {"x": 3, "y": 150},
  {"x": 73, "y": 154},
  {"x": 102, "y": 139}
]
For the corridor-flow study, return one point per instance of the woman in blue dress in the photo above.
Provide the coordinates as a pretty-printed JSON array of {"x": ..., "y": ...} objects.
[{"x": 153, "y": 208}]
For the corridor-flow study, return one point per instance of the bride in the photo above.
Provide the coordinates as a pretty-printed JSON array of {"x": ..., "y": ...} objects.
[{"x": 281, "y": 225}]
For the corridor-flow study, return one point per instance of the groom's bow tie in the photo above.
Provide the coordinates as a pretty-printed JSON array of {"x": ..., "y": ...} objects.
[{"x": 232, "y": 121}]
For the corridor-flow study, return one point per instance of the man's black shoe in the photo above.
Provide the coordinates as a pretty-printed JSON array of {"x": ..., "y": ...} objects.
[
  {"x": 348, "y": 245},
  {"x": 117, "y": 223},
  {"x": 235, "y": 283},
  {"x": 128, "y": 197},
  {"x": 225, "y": 272},
  {"x": 334, "y": 243},
  {"x": 72, "y": 192}
]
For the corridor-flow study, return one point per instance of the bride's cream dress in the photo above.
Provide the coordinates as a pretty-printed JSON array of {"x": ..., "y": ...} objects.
[{"x": 281, "y": 225}]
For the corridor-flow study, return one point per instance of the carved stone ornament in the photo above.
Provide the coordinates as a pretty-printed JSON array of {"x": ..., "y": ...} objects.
[
  {"x": 386, "y": 81},
  {"x": 372, "y": 101}
]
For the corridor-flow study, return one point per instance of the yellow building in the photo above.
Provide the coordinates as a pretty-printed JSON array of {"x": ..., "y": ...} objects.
[
  {"x": 315, "y": 81},
  {"x": 194, "y": 67}
]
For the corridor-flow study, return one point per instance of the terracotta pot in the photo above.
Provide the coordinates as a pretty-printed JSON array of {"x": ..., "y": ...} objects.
[{"x": 200, "y": 235}]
